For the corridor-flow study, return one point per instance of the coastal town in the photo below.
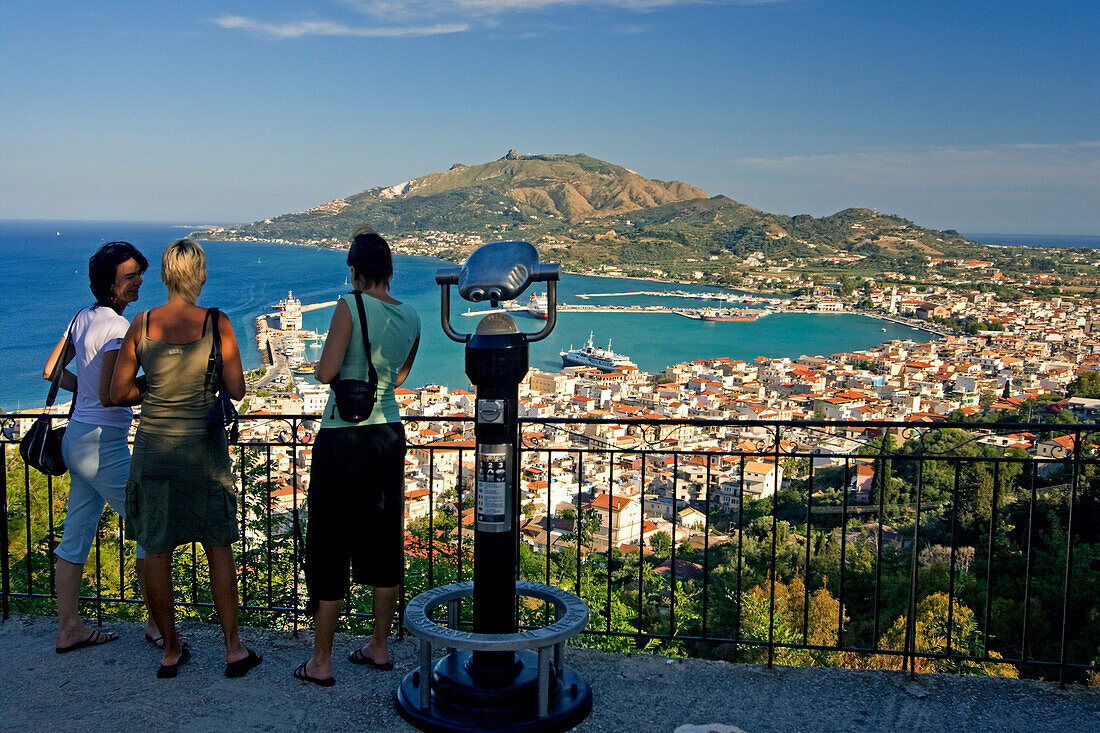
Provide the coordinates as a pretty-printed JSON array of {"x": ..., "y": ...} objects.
[{"x": 1021, "y": 362}]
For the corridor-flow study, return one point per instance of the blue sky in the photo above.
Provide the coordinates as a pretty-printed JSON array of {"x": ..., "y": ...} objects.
[{"x": 979, "y": 116}]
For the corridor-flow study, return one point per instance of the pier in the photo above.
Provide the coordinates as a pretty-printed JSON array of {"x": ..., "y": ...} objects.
[{"x": 745, "y": 314}]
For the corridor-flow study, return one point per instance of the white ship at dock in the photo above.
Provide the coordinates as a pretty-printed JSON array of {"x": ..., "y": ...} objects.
[
  {"x": 290, "y": 313},
  {"x": 537, "y": 306},
  {"x": 590, "y": 355}
]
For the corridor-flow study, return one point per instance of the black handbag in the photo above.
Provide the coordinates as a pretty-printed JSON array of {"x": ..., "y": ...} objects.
[
  {"x": 223, "y": 415},
  {"x": 354, "y": 397},
  {"x": 41, "y": 446}
]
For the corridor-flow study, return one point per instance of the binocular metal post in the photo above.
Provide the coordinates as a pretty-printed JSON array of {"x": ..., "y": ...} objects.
[{"x": 495, "y": 676}]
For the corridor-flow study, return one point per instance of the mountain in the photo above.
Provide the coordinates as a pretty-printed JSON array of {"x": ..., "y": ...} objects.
[{"x": 588, "y": 211}]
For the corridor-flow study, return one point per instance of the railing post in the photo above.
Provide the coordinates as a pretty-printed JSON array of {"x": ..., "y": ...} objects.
[
  {"x": 5, "y": 557},
  {"x": 1067, "y": 595}
]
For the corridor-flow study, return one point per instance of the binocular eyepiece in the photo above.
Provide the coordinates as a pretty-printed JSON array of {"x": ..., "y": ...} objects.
[
  {"x": 478, "y": 294},
  {"x": 498, "y": 271}
]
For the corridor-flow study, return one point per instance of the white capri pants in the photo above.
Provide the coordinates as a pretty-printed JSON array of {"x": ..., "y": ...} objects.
[{"x": 99, "y": 465}]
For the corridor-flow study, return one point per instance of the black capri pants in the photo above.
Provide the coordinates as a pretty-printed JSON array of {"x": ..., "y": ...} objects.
[{"x": 355, "y": 505}]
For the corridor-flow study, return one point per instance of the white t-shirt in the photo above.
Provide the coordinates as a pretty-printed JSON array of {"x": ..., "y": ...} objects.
[{"x": 96, "y": 331}]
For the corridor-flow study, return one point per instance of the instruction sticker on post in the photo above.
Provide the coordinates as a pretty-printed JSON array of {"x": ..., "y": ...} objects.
[{"x": 492, "y": 487}]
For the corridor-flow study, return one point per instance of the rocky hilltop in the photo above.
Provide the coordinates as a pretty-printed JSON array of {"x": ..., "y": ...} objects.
[{"x": 589, "y": 211}]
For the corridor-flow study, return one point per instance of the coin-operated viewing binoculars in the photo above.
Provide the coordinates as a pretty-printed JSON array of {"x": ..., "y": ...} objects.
[{"x": 495, "y": 676}]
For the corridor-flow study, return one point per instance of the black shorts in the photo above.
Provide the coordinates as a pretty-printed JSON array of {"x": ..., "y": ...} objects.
[{"x": 355, "y": 505}]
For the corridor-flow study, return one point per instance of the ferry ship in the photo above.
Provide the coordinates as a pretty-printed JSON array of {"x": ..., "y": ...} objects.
[
  {"x": 290, "y": 313},
  {"x": 536, "y": 306},
  {"x": 605, "y": 360}
]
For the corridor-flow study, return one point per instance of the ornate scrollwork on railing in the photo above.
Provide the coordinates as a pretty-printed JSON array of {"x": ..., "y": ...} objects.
[
  {"x": 652, "y": 435},
  {"x": 910, "y": 432},
  {"x": 1061, "y": 451},
  {"x": 924, "y": 436}
]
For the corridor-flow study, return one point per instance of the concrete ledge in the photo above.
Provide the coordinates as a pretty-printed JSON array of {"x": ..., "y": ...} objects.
[{"x": 113, "y": 688}]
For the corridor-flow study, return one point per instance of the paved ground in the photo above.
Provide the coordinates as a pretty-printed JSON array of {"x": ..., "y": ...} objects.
[{"x": 113, "y": 688}]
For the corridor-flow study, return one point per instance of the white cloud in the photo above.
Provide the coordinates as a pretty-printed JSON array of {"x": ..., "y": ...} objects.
[
  {"x": 483, "y": 8},
  {"x": 1021, "y": 164},
  {"x": 433, "y": 17},
  {"x": 328, "y": 28}
]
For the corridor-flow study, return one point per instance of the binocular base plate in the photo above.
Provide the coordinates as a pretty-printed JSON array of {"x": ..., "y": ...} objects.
[{"x": 462, "y": 702}]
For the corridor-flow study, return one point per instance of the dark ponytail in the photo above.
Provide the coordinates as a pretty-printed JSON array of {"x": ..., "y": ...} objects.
[{"x": 370, "y": 256}]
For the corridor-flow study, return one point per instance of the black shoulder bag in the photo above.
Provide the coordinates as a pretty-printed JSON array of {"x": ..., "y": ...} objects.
[
  {"x": 41, "y": 446},
  {"x": 354, "y": 397},
  {"x": 223, "y": 415}
]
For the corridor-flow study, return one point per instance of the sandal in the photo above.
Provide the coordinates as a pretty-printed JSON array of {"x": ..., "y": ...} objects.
[
  {"x": 167, "y": 671},
  {"x": 95, "y": 638},
  {"x": 358, "y": 657},
  {"x": 158, "y": 641},
  {"x": 301, "y": 674},
  {"x": 240, "y": 667}
]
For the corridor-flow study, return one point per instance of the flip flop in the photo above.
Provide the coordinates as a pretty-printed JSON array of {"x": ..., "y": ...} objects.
[
  {"x": 240, "y": 667},
  {"x": 158, "y": 641},
  {"x": 301, "y": 674},
  {"x": 358, "y": 657},
  {"x": 167, "y": 671},
  {"x": 96, "y": 638}
]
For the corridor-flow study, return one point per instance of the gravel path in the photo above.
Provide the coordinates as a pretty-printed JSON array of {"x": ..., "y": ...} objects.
[{"x": 114, "y": 688}]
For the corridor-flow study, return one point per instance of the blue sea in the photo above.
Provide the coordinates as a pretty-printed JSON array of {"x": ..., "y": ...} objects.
[
  {"x": 44, "y": 281},
  {"x": 1037, "y": 240}
]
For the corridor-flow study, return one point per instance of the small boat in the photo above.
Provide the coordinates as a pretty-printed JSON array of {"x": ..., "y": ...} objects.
[{"x": 306, "y": 367}]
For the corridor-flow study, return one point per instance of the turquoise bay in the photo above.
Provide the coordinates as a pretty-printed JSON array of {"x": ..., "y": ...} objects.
[{"x": 45, "y": 279}]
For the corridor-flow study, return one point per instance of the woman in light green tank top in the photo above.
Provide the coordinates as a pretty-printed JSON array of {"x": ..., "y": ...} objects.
[
  {"x": 355, "y": 511},
  {"x": 180, "y": 489}
]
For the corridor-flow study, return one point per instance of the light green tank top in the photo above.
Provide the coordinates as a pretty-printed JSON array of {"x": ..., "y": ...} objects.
[
  {"x": 392, "y": 331},
  {"x": 177, "y": 402}
]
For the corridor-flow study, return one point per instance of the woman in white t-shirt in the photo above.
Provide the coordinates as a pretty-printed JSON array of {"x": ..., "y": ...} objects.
[{"x": 95, "y": 443}]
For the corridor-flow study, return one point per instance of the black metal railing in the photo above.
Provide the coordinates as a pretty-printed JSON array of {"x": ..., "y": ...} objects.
[{"x": 917, "y": 546}]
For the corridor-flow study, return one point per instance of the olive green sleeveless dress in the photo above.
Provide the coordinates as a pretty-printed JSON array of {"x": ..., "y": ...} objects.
[{"x": 180, "y": 488}]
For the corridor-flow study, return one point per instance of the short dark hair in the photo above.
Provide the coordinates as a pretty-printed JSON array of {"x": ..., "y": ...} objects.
[
  {"x": 103, "y": 265},
  {"x": 370, "y": 256}
]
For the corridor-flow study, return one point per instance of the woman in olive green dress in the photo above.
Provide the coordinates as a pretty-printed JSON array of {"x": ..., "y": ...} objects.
[{"x": 180, "y": 489}]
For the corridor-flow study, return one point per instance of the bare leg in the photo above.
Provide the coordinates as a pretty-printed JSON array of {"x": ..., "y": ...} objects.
[
  {"x": 324, "y": 629},
  {"x": 160, "y": 599},
  {"x": 150, "y": 625},
  {"x": 223, "y": 586},
  {"x": 151, "y": 629},
  {"x": 385, "y": 603},
  {"x": 70, "y": 627}
]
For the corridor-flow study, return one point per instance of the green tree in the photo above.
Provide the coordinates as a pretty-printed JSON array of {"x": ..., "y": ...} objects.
[{"x": 930, "y": 636}]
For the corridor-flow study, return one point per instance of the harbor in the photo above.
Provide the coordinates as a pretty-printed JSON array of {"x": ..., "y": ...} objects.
[{"x": 290, "y": 333}]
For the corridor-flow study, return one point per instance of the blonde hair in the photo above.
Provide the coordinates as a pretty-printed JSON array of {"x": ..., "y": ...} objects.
[{"x": 183, "y": 269}]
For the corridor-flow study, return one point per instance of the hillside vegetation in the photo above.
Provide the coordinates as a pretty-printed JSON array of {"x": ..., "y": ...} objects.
[{"x": 590, "y": 211}]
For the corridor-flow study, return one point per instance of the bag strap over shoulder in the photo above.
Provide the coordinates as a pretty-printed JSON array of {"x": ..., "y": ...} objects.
[
  {"x": 59, "y": 368},
  {"x": 372, "y": 375},
  {"x": 214, "y": 380}
]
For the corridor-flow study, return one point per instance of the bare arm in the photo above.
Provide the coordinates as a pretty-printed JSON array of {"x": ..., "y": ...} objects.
[
  {"x": 232, "y": 372},
  {"x": 336, "y": 345},
  {"x": 59, "y": 360},
  {"x": 408, "y": 365},
  {"x": 124, "y": 389},
  {"x": 107, "y": 371}
]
